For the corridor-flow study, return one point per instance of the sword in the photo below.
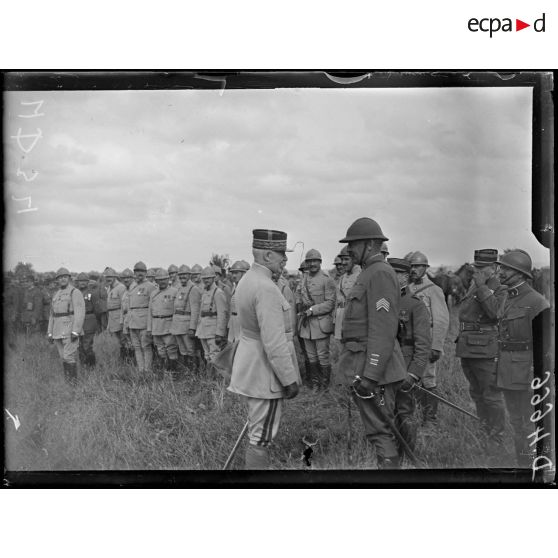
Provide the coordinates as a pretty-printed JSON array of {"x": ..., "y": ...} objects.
[
  {"x": 235, "y": 448},
  {"x": 448, "y": 403}
]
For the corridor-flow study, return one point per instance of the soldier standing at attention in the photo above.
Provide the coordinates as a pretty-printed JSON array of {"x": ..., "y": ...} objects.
[
  {"x": 159, "y": 321},
  {"x": 344, "y": 286},
  {"x": 285, "y": 289},
  {"x": 195, "y": 277},
  {"x": 31, "y": 305},
  {"x": 212, "y": 323},
  {"x": 173, "y": 276},
  {"x": 47, "y": 299},
  {"x": 384, "y": 250},
  {"x": 477, "y": 343},
  {"x": 339, "y": 268},
  {"x": 92, "y": 315},
  {"x": 514, "y": 372},
  {"x": 264, "y": 370},
  {"x": 65, "y": 324},
  {"x": 186, "y": 314},
  {"x": 371, "y": 351},
  {"x": 315, "y": 298},
  {"x": 238, "y": 269},
  {"x": 115, "y": 292},
  {"x": 128, "y": 280},
  {"x": 415, "y": 342},
  {"x": 433, "y": 298},
  {"x": 150, "y": 276},
  {"x": 137, "y": 320}
]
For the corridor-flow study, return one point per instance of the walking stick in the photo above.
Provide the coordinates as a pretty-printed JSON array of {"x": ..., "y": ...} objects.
[{"x": 235, "y": 448}]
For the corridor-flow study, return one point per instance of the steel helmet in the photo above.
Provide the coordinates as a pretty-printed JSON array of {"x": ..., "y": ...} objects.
[
  {"x": 196, "y": 269},
  {"x": 364, "y": 229},
  {"x": 208, "y": 272},
  {"x": 173, "y": 268},
  {"x": 127, "y": 273},
  {"x": 384, "y": 248},
  {"x": 109, "y": 272},
  {"x": 417, "y": 258},
  {"x": 61, "y": 272},
  {"x": 151, "y": 272},
  {"x": 344, "y": 252},
  {"x": 518, "y": 260},
  {"x": 313, "y": 254},
  {"x": 83, "y": 277},
  {"x": 183, "y": 270},
  {"x": 161, "y": 273},
  {"x": 240, "y": 265},
  {"x": 140, "y": 266},
  {"x": 337, "y": 261}
]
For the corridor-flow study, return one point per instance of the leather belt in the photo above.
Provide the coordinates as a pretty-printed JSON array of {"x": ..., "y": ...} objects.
[
  {"x": 137, "y": 307},
  {"x": 465, "y": 326},
  {"x": 182, "y": 312},
  {"x": 515, "y": 346},
  {"x": 205, "y": 314},
  {"x": 62, "y": 314},
  {"x": 165, "y": 316},
  {"x": 352, "y": 340}
]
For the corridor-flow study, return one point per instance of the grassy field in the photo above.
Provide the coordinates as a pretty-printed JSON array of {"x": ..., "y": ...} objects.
[{"x": 112, "y": 421}]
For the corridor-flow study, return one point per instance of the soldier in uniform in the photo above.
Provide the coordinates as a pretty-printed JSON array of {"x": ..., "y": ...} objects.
[
  {"x": 174, "y": 281},
  {"x": 238, "y": 269},
  {"x": 138, "y": 297},
  {"x": 433, "y": 298},
  {"x": 477, "y": 342},
  {"x": 92, "y": 315},
  {"x": 115, "y": 292},
  {"x": 514, "y": 372},
  {"x": 415, "y": 342},
  {"x": 11, "y": 309},
  {"x": 159, "y": 320},
  {"x": 150, "y": 276},
  {"x": 128, "y": 280},
  {"x": 315, "y": 299},
  {"x": 371, "y": 351},
  {"x": 285, "y": 289},
  {"x": 344, "y": 287},
  {"x": 186, "y": 314},
  {"x": 212, "y": 323},
  {"x": 47, "y": 299},
  {"x": 195, "y": 277},
  {"x": 339, "y": 268},
  {"x": 223, "y": 284},
  {"x": 264, "y": 370},
  {"x": 65, "y": 324},
  {"x": 384, "y": 250},
  {"x": 31, "y": 305}
]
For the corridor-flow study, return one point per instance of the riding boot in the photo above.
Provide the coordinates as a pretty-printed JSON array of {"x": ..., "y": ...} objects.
[
  {"x": 66, "y": 372},
  {"x": 314, "y": 375},
  {"x": 430, "y": 407},
  {"x": 123, "y": 354},
  {"x": 70, "y": 373},
  {"x": 257, "y": 458},
  {"x": 173, "y": 367},
  {"x": 325, "y": 376}
]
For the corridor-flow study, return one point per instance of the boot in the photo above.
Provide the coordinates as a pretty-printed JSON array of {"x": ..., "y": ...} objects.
[
  {"x": 314, "y": 375},
  {"x": 325, "y": 376},
  {"x": 92, "y": 360},
  {"x": 257, "y": 458},
  {"x": 430, "y": 408},
  {"x": 388, "y": 462},
  {"x": 66, "y": 372},
  {"x": 71, "y": 373},
  {"x": 176, "y": 374},
  {"x": 123, "y": 353}
]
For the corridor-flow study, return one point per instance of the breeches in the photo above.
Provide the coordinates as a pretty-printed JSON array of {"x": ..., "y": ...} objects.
[
  {"x": 317, "y": 350},
  {"x": 186, "y": 345},
  {"x": 67, "y": 349},
  {"x": 264, "y": 417},
  {"x": 376, "y": 428},
  {"x": 166, "y": 346},
  {"x": 143, "y": 348}
]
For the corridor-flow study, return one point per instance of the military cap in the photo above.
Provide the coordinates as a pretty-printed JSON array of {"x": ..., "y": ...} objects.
[
  {"x": 268, "y": 239},
  {"x": 173, "y": 268},
  {"x": 127, "y": 273},
  {"x": 140, "y": 266},
  {"x": 83, "y": 277},
  {"x": 109, "y": 272},
  {"x": 313, "y": 254},
  {"x": 161, "y": 273},
  {"x": 208, "y": 272},
  {"x": 196, "y": 269},
  {"x": 384, "y": 248},
  {"x": 337, "y": 261},
  {"x": 62, "y": 271},
  {"x": 400, "y": 264},
  {"x": 183, "y": 270},
  {"x": 240, "y": 265},
  {"x": 486, "y": 256}
]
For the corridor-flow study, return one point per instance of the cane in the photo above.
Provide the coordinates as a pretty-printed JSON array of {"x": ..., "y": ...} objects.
[{"x": 235, "y": 448}]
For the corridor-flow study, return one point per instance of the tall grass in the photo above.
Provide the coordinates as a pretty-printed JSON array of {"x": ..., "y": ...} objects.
[{"x": 113, "y": 420}]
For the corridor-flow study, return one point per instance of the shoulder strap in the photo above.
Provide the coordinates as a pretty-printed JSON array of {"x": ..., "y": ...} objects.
[{"x": 305, "y": 279}]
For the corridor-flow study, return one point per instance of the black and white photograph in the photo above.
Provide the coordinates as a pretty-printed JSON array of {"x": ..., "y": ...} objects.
[{"x": 339, "y": 275}]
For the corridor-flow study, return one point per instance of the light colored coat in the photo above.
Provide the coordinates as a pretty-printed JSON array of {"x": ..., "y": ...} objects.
[
  {"x": 344, "y": 286},
  {"x": 160, "y": 312},
  {"x": 187, "y": 302},
  {"x": 265, "y": 359},
  {"x": 139, "y": 301},
  {"x": 114, "y": 305},
  {"x": 234, "y": 324},
  {"x": 66, "y": 301},
  {"x": 214, "y": 302},
  {"x": 319, "y": 293}
]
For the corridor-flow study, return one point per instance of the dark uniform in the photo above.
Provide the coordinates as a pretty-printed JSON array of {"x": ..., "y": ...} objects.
[
  {"x": 514, "y": 372},
  {"x": 477, "y": 345},
  {"x": 92, "y": 318},
  {"x": 12, "y": 292},
  {"x": 370, "y": 347},
  {"x": 30, "y": 307}
]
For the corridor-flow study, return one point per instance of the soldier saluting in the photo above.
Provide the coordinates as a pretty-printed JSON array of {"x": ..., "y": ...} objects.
[{"x": 371, "y": 355}]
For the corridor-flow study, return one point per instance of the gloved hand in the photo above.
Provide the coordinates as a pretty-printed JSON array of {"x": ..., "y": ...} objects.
[
  {"x": 191, "y": 333},
  {"x": 291, "y": 391},
  {"x": 435, "y": 355},
  {"x": 365, "y": 387},
  {"x": 220, "y": 341},
  {"x": 50, "y": 338},
  {"x": 74, "y": 336},
  {"x": 409, "y": 382}
]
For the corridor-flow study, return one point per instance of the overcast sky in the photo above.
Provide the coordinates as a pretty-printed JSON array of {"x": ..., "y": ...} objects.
[{"x": 173, "y": 176}]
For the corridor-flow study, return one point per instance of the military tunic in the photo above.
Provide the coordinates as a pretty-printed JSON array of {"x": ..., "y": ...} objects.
[
  {"x": 371, "y": 349},
  {"x": 234, "y": 324},
  {"x": 514, "y": 373},
  {"x": 477, "y": 346},
  {"x": 31, "y": 307},
  {"x": 213, "y": 319},
  {"x": 344, "y": 286},
  {"x": 286, "y": 291},
  {"x": 92, "y": 315},
  {"x": 159, "y": 321},
  {"x": 114, "y": 305},
  {"x": 138, "y": 297}
]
